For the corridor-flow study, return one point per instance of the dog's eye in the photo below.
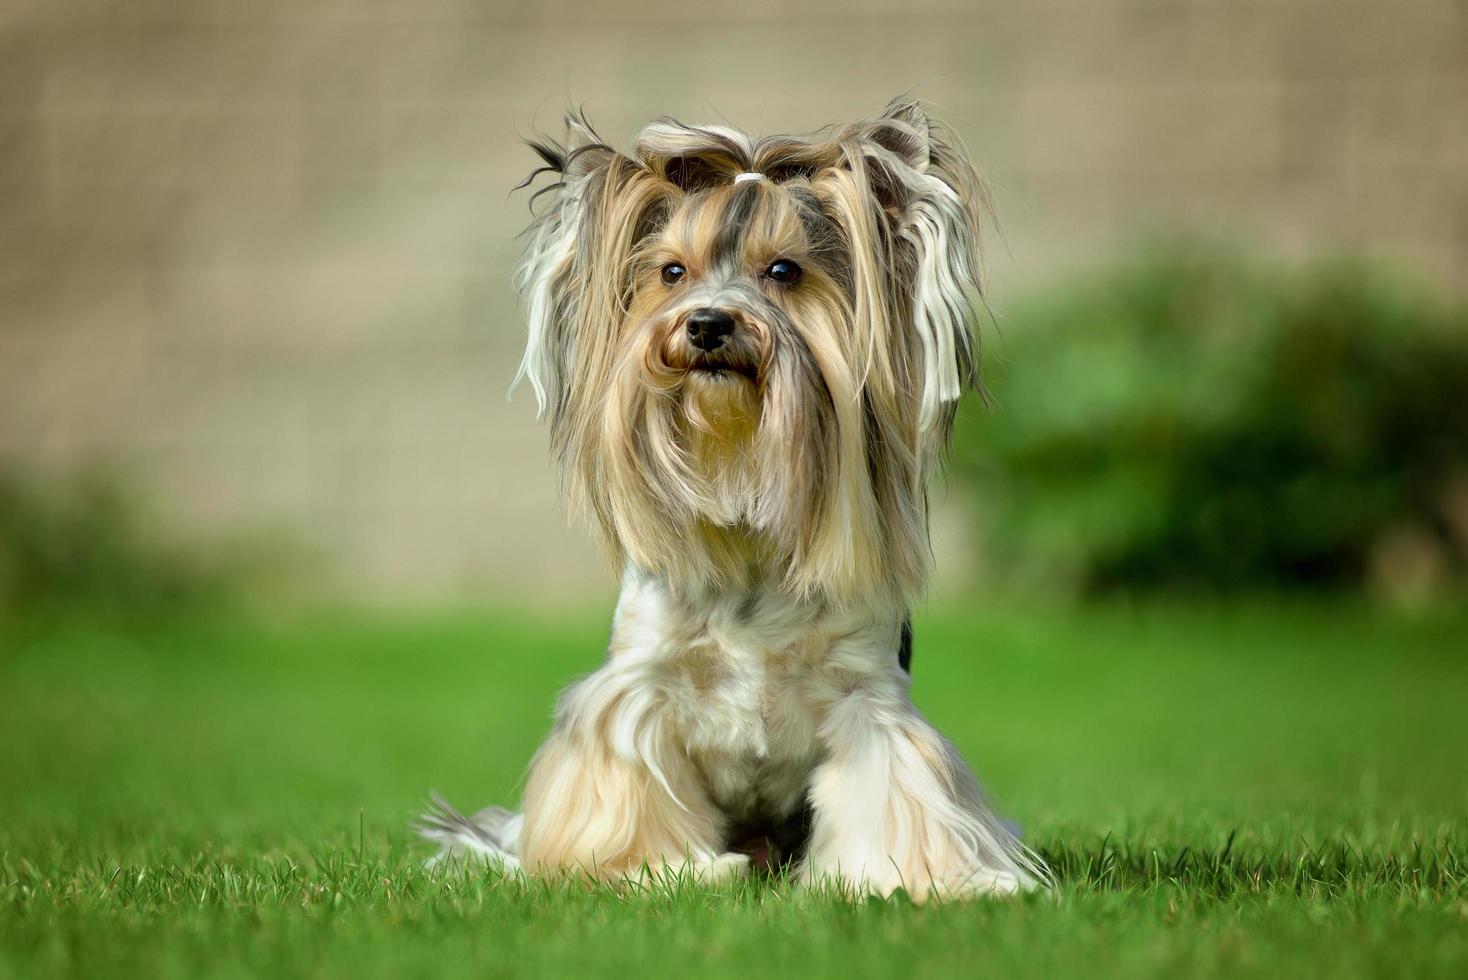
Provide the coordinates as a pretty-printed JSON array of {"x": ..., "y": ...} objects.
[
  {"x": 783, "y": 271},
  {"x": 672, "y": 272}
]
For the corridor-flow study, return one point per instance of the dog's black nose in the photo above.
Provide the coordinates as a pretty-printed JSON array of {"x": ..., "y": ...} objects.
[{"x": 708, "y": 327}]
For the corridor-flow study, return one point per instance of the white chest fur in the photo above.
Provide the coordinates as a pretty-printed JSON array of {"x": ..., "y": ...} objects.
[{"x": 744, "y": 683}]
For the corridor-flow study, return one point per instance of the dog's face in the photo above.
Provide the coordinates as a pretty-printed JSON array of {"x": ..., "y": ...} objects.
[
  {"x": 752, "y": 349},
  {"x": 722, "y": 287},
  {"x": 738, "y": 334}
]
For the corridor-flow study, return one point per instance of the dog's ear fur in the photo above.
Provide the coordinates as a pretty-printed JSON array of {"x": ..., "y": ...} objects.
[
  {"x": 910, "y": 208},
  {"x": 935, "y": 203},
  {"x": 547, "y": 263},
  {"x": 575, "y": 275}
]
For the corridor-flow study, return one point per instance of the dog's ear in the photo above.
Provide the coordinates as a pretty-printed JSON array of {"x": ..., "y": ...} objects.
[
  {"x": 575, "y": 274},
  {"x": 933, "y": 202},
  {"x": 904, "y": 130}
]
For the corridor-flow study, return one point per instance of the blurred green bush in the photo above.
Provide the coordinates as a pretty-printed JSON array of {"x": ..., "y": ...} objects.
[
  {"x": 1193, "y": 419},
  {"x": 84, "y": 540}
]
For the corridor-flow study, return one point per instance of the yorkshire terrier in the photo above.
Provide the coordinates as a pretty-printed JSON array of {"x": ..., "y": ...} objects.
[{"x": 751, "y": 351}]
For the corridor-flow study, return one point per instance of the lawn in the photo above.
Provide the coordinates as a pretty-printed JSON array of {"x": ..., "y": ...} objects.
[{"x": 1265, "y": 790}]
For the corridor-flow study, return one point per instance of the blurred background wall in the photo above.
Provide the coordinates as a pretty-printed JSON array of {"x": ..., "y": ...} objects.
[{"x": 256, "y": 255}]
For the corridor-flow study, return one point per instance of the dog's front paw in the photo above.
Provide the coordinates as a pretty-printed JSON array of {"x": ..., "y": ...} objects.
[
  {"x": 704, "y": 869},
  {"x": 920, "y": 884},
  {"x": 723, "y": 867},
  {"x": 976, "y": 884}
]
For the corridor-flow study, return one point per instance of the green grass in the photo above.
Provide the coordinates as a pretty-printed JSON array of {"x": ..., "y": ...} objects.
[{"x": 1267, "y": 791}]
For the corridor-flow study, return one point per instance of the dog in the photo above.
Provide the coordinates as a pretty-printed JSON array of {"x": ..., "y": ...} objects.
[{"x": 750, "y": 351}]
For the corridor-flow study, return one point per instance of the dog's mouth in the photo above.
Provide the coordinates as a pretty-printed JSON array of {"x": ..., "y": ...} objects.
[{"x": 710, "y": 367}]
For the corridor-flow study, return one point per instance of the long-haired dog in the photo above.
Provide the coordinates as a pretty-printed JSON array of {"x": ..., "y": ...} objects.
[{"x": 751, "y": 351}]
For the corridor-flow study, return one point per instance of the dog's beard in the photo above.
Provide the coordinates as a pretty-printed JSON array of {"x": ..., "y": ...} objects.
[
  {"x": 720, "y": 410},
  {"x": 687, "y": 487}
]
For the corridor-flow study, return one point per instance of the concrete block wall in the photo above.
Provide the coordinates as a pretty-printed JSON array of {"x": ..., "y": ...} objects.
[{"x": 257, "y": 254}]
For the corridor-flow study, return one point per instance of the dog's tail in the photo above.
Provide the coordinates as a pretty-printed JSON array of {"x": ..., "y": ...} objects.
[{"x": 491, "y": 835}]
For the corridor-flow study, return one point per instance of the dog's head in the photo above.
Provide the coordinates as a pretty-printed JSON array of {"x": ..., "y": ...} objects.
[{"x": 751, "y": 349}]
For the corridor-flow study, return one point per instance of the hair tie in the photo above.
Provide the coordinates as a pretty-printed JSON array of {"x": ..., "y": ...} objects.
[{"x": 748, "y": 175}]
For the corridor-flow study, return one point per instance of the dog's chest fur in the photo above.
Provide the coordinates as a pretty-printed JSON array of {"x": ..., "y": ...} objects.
[{"x": 745, "y": 683}]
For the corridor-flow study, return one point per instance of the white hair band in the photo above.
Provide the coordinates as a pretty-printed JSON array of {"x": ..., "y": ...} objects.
[{"x": 748, "y": 175}]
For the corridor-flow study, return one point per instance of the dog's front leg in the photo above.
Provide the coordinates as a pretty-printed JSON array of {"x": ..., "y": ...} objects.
[
  {"x": 895, "y": 807},
  {"x": 611, "y": 795}
]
